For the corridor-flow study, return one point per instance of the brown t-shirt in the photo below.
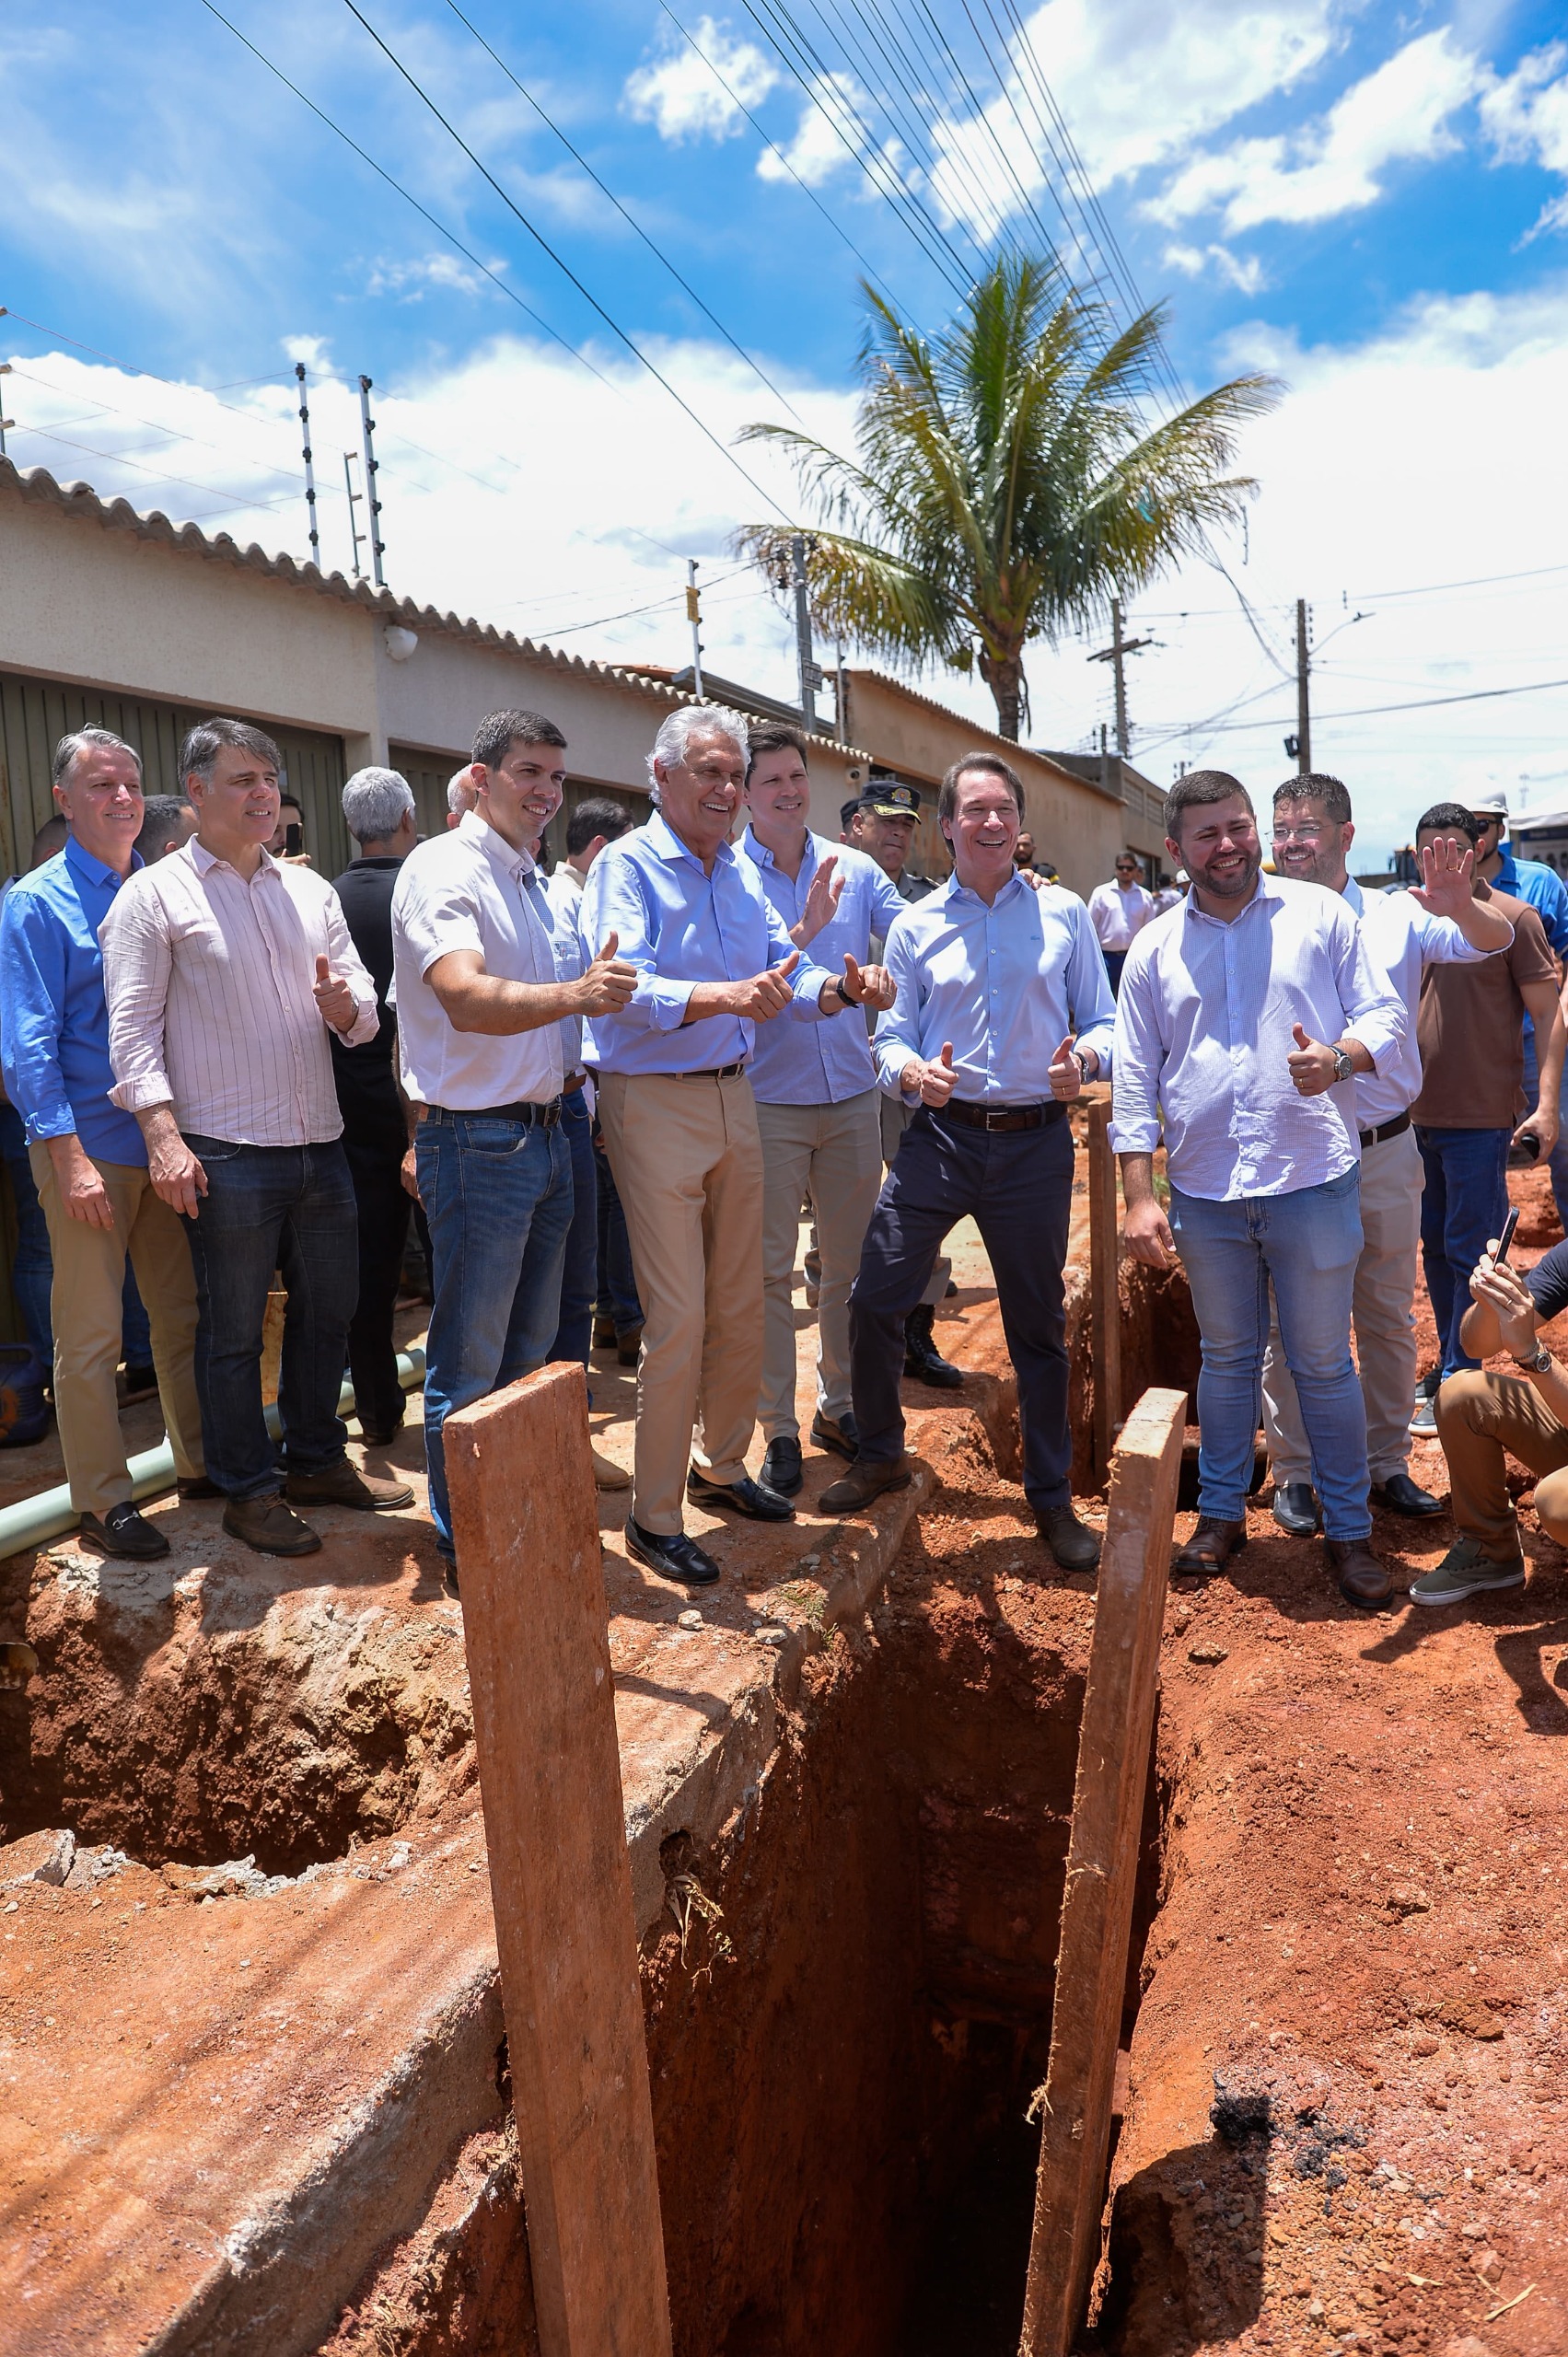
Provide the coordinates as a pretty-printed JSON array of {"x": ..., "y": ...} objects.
[{"x": 1470, "y": 1028}]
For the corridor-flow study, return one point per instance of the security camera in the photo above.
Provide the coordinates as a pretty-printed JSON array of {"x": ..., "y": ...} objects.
[{"x": 400, "y": 642}]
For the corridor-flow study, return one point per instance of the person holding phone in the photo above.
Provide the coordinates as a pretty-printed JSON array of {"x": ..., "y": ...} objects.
[{"x": 1483, "y": 1419}]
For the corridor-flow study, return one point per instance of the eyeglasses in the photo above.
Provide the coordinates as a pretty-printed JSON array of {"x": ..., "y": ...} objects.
[{"x": 1298, "y": 835}]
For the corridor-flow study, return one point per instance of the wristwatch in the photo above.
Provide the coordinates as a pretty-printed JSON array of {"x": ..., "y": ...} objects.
[
  {"x": 1344, "y": 1064},
  {"x": 1537, "y": 1363},
  {"x": 1081, "y": 1060}
]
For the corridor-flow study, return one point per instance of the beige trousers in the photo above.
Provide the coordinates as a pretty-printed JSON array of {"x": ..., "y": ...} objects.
[
  {"x": 1482, "y": 1418},
  {"x": 688, "y": 1164},
  {"x": 896, "y": 1118},
  {"x": 834, "y": 1153},
  {"x": 1392, "y": 1177},
  {"x": 89, "y": 1277}
]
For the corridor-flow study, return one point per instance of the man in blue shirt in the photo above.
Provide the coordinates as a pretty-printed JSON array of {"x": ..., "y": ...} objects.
[
  {"x": 994, "y": 978},
  {"x": 1542, "y": 889},
  {"x": 713, "y": 962},
  {"x": 817, "y": 1098},
  {"x": 88, "y": 1158}
]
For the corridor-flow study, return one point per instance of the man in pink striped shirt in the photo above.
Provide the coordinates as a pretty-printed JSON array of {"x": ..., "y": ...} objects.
[{"x": 224, "y": 970}]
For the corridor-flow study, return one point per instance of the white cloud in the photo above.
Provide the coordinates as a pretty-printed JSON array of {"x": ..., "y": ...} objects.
[
  {"x": 683, "y": 95},
  {"x": 827, "y": 121},
  {"x": 1244, "y": 272},
  {"x": 1400, "y": 113},
  {"x": 410, "y": 281},
  {"x": 1525, "y": 118}
]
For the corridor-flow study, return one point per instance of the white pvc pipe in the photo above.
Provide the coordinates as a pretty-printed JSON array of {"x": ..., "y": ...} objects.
[{"x": 32, "y": 1521}]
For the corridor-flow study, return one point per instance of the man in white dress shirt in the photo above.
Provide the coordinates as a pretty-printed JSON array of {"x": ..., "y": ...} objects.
[
  {"x": 1119, "y": 912},
  {"x": 1438, "y": 924},
  {"x": 1241, "y": 1020},
  {"x": 481, "y": 1002},
  {"x": 225, "y": 969}
]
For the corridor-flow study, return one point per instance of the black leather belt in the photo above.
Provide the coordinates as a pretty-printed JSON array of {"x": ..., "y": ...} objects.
[
  {"x": 713, "y": 1071},
  {"x": 526, "y": 1115},
  {"x": 1000, "y": 1117},
  {"x": 1387, "y": 1129}
]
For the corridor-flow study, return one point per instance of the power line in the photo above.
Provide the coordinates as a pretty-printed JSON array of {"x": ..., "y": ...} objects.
[
  {"x": 1361, "y": 711},
  {"x": 176, "y": 433},
  {"x": 561, "y": 264},
  {"x": 159, "y": 474}
]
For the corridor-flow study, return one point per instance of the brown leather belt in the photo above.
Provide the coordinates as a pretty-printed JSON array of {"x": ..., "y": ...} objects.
[
  {"x": 1388, "y": 1130},
  {"x": 999, "y": 1117},
  {"x": 570, "y": 1087}
]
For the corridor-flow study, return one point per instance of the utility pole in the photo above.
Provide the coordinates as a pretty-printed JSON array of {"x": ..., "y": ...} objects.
[
  {"x": 354, "y": 498},
  {"x": 810, "y": 672},
  {"x": 367, "y": 429},
  {"x": 694, "y": 616},
  {"x": 7, "y": 424},
  {"x": 309, "y": 463},
  {"x": 840, "y": 689},
  {"x": 1115, "y": 654},
  {"x": 1303, "y": 701}
]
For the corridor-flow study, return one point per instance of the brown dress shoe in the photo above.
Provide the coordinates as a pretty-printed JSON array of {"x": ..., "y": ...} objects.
[
  {"x": 864, "y": 1482},
  {"x": 1364, "y": 1580},
  {"x": 1210, "y": 1548},
  {"x": 343, "y": 1484},
  {"x": 608, "y": 1475},
  {"x": 269, "y": 1526}
]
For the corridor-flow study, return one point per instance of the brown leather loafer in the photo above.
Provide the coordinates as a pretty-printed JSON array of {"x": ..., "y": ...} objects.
[
  {"x": 343, "y": 1484},
  {"x": 854, "y": 1489},
  {"x": 1364, "y": 1580},
  {"x": 1210, "y": 1549}
]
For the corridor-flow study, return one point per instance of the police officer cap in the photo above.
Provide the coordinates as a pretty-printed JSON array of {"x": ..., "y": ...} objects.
[{"x": 890, "y": 799}]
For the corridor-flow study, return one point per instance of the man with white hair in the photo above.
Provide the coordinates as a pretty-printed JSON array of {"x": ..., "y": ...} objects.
[
  {"x": 713, "y": 960},
  {"x": 378, "y": 811},
  {"x": 462, "y": 795}
]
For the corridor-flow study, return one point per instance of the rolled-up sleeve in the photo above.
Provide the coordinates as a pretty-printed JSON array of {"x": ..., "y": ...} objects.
[
  {"x": 138, "y": 958},
  {"x": 1138, "y": 1058},
  {"x": 1374, "y": 1013},
  {"x": 345, "y": 960},
  {"x": 897, "y": 1037},
  {"x": 613, "y": 902},
  {"x": 32, "y": 990}
]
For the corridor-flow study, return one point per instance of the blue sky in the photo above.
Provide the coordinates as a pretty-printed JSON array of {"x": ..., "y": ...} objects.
[{"x": 1372, "y": 200}]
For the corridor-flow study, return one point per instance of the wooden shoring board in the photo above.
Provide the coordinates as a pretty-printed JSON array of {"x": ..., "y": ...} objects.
[
  {"x": 536, "y": 1627},
  {"x": 1102, "y": 1864},
  {"x": 1104, "y": 1300}
]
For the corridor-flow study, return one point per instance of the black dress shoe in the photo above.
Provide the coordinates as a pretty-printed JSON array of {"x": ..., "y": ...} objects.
[
  {"x": 122, "y": 1531},
  {"x": 672, "y": 1555},
  {"x": 1074, "y": 1544},
  {"x": 921, "y": 1358},
  {"x": 1399, "y": 1494},
  {"x": 1296, "y": 1508},
  {"x": 839, "y": 1434},
  {"x": 745, "y": 1497},
  {"x": 781, "y": 1467}
]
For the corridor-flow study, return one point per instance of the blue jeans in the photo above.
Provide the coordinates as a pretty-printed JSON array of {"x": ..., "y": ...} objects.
[
  {"x": 1559, "y": 1160},
  {"x": 579, "y": 1269},
  {"x": 498, "y": 1197},
  {"x": 616, "y": 1280},
  {"x": 288, "y": 1207},
  {"x": 1462, "y": 1209},
  {"x": 33, "y": 1270},
  {"x": 1308, "y": 1243}
]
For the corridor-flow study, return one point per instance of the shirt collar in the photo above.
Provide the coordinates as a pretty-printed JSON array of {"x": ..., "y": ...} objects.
[
  {"x": 756, "y": 851},
  {"x": 202, "y": 859},
  {"x": 1268, "y": 889},
  {"x": 518, "y": 864},
  {"x": 669, "y": 845},
  {"x": 1354, "y": 895},
  {"x": 1010, "y": 891},
  {"x": 93, "y": 870}
]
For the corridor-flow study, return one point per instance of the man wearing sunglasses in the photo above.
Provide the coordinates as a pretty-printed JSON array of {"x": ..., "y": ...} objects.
[{"x": 1119, "y": 912}]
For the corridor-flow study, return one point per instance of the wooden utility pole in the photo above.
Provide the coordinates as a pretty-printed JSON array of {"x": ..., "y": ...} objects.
[
  {"x": 1114, "y": 1739},
  {"x": 694, "y": 616},
  {"x": 538, "y": 1637},
  {"x": 809, "y": 670},
  {"x": 1116, "y": 655},
  {"x": 1303, "y": 699}
]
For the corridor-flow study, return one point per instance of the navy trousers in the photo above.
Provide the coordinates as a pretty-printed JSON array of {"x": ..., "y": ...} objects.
[{"x": 1017, "y": 1187}]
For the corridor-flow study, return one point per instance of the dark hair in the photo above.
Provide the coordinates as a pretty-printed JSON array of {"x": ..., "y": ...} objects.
[
  {"x": 847, "y": 809},
  {"x": 199, "y": 753},
  {"x": 1450, "y": 818},
  {"x": 160, "y": 823},
  {"x": 774, "y": 736},
  {"x": 1317, "y": 785},
  {"x": 1198, "y": 787},
  {"x": 988, "y": 765},
  {"x": 499, "y": 731},
  {"x": 591, "y": 818},
  {"x": 49, "y": 838}
]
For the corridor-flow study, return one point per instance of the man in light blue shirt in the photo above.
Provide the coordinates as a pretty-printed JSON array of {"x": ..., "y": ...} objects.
[
  {"x": 713, "y": 962},
  {"x": 817, "y": 1098},
  {"x": 994, "y": 978},
  {"x": 1242, "y": 1019}
]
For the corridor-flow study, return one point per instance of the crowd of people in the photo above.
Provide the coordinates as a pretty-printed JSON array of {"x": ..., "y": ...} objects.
[{"x": 610, "y": 1094}]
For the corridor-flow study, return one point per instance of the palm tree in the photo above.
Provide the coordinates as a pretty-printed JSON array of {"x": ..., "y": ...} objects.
[{"x": 1007, "y": 485}]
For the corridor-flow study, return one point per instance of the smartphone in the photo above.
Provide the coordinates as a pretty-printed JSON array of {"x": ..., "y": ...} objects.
[
  {"x": 1506, "y": 1238},
  {"x": 1524, "y": 1151},
  {"x": 292, "y": 841}
]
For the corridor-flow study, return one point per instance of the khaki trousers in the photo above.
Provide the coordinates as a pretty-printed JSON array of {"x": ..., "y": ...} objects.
[
  {"x": 896, "y": 1118},
  {"x": 1481, "y": 1419},
  {"x": 834, "y": 1153},
  {"x": 89, "y": 1276},
  {"x": 1392, "y": 1177},
  {"x": 688, "y": 1164}
]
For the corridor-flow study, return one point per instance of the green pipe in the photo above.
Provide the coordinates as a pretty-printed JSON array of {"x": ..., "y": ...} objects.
[{"x": 31, "y": 1522}]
